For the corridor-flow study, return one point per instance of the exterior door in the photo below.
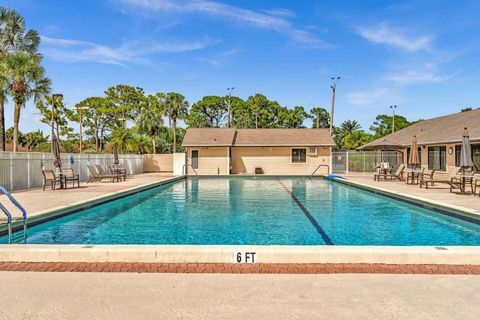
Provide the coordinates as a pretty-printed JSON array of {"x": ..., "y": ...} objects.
[{"x": 195, "y": 159}]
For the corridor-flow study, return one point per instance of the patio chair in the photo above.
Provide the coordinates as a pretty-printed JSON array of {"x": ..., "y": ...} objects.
[
  {"x": 49, "y": 177},
  {"x": 69, "y": 175},
  {"x": 96, "y": 176},
  {"x": 121, "y": 172},
  {"x": 427, "y": 178},
  {"x": 476, "y": 183},
  {"x": 398, "y": 175}
]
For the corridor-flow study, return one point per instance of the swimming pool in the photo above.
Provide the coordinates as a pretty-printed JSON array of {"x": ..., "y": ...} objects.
[{"x": 256, "y": 211}]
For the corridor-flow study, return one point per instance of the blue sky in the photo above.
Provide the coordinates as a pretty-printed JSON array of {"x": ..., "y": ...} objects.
[{"x": 420, "y": 55}]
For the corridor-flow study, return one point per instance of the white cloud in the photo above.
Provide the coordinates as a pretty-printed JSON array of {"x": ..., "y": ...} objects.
[
  {"x": 268, "y": 21},
  {"x": 68, "y": 50},
  {"x": 373, "y": 97},
  {"x": 421, "y": 73},
  {"x": 396, "y": 37}
]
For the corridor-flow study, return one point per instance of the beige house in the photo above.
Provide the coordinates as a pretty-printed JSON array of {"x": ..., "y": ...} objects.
[
  {"x": 439, "y": 140},
  {"x": 224, "y": 151}
]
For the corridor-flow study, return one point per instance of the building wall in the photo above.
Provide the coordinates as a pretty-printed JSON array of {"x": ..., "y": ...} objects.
[
  {"x": 277, "y": 161},
  {"x": 158, "y": 163},
  {"x": 211, "y": 160}
]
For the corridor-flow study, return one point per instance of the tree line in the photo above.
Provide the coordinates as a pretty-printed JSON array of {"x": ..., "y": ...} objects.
[{"x": 134, "y": 120}]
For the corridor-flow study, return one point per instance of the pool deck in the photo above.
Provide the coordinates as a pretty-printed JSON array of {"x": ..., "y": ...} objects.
[
  {"x": 38, "y": 202},
  {"x": 438, "y": 197},
  {"x": 80, "y": 295}
]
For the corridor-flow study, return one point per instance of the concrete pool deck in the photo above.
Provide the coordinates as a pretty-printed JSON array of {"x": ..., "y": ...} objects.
[
  {"x": 66, "y": 295},
  {"x": 438, "y": 197},
  {"x": 38, "y": 202}
]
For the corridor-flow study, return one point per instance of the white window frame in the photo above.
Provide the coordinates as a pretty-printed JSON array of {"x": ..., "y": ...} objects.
[{"x": 291, "y": 155}]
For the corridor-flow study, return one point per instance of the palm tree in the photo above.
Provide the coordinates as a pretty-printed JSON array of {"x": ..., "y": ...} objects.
[
  {"x": 176, "y": 108},
  {"x": 34, "y": 139},
  {"x": 26, "y": 79},
  {"x": 350, "y": 126},
  {"x": 13, "y": 38},
  {"x": 150, "y": 121},
  {"x": 321, "y": 116}
]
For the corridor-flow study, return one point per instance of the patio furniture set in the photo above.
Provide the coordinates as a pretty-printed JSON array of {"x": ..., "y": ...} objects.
[
  {"x": 97, "y": 173},
  {"x": 457, "y": 180}
]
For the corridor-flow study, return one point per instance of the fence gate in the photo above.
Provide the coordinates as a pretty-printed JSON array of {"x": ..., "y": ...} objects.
[{"x": 363, "y": 162}]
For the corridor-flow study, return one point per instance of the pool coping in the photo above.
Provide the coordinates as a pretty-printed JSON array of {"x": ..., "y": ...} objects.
[
  {"x": 452, "y": 255},
  {"x": 264, "y": 254}
]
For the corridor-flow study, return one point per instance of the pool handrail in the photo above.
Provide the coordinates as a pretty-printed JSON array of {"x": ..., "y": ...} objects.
[
  {"x": 9, "y": 215},
  {"x": 184, "y": 171},
  {"x": 318, "y": 167}
]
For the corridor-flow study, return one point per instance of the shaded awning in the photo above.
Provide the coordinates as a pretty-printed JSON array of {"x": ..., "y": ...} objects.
[{"x": 381, "y": 145}]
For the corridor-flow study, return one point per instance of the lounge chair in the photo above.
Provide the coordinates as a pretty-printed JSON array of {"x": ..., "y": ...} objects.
[
  {"x": 69, "y": 175},
  {"x": 50, "y": 177},
  {"x": 96, "y": 176}
]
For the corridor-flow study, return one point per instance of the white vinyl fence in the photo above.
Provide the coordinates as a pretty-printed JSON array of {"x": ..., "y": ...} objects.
[{"x": 23, "y": 170}]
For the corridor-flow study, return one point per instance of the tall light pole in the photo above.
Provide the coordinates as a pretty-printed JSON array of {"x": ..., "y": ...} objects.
[
  {"x": 54, "y": 96},
  {"x": 334, "y": 90},
  {"x": 393, "y": 118},
  {"x": 229, "y": 105},
  {"x": 79, "y": 110}
]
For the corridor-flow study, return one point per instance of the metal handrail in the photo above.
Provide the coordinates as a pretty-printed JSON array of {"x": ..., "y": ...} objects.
[
  {"x": 184, "y": 172},
  {"x": 9, "y": 215},
  {"x": 320, "y": 165}
]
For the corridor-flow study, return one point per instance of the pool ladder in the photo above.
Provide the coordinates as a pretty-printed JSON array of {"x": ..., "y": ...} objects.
[
  {"x": 316, "y": 169},
  {"x": 185, "y": 166},
  {"x": 21, "y": 237}
]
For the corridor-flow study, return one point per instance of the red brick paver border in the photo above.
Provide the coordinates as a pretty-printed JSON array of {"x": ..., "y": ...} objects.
[{"x": 287, "y": 268}]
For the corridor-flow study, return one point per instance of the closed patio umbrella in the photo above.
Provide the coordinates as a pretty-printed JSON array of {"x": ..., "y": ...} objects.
[
  {"x": 414, "y": 157},
  {"x": 57, "y": 161},
  {"x": 466, "y": 154}
]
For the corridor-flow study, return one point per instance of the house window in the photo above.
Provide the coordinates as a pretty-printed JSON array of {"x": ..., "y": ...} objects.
[
  {"x": 299, "y": 155},
  {"x": 475, "y": 155},
  {"x": 437, "y": 157}
]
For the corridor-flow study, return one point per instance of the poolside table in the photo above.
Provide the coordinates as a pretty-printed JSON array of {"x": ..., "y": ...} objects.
[{"x": 413, "y": 176}]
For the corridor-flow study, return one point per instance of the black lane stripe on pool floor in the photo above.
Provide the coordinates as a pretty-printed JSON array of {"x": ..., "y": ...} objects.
[{"x": 309, "y": 216}]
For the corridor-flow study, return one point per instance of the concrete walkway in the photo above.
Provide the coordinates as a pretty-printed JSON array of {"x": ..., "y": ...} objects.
[
  {"x": 37, "y": 201},
  {"x": 438, "y": 194},
  {"x": 204, "y": 296}
]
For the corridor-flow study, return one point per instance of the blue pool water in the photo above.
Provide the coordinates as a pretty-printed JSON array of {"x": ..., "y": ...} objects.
[{"x": 262, "y": 211}]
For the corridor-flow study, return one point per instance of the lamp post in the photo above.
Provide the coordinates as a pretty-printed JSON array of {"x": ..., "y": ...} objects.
[
  {"x": 54, "y": 96},
  {"x": 229, "y": 105},
  {"x": 334, "y": 90},
  {"x": 393, "y": 118},
  {"x": 79, "y": 110}
]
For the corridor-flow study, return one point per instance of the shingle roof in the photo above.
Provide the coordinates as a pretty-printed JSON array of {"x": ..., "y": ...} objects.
[
  {"x": 446, "y": 129},
  {"x": 257, "y": 137},
  {"x": 205, "y": 137}
]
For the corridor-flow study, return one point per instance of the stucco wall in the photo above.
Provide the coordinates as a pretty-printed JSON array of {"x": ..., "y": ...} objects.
[
  {"x": 158, "y": 163},
  {"x": 211, "y": 160},
  {"x": 277, "y": 161}
]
